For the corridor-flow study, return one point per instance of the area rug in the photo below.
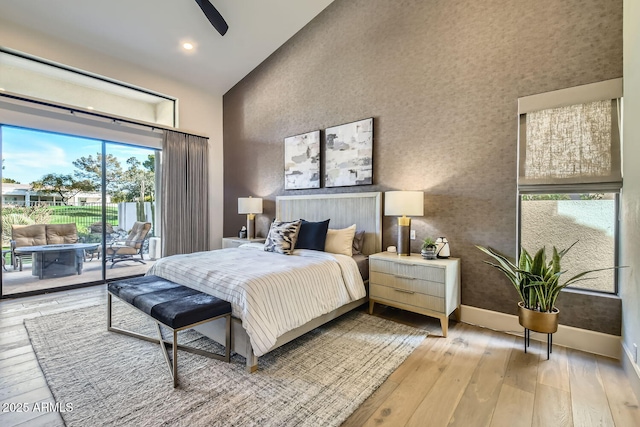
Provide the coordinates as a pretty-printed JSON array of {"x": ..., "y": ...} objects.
[{"x": 104, "y": 378}]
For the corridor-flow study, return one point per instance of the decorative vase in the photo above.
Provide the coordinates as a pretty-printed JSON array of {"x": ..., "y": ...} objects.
[
  {"x": 429, "y": 253},
  {"x": 442, "y": 250},
  {"x": 538, "y": 321}
]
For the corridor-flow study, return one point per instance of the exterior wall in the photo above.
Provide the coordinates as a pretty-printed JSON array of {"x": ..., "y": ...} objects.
[
  {"x": 560, "y": 223},
  {"x": 441, "y": 80}
]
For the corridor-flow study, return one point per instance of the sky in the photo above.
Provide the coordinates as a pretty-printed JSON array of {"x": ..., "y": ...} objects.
[{"x": 30, "y": 154}]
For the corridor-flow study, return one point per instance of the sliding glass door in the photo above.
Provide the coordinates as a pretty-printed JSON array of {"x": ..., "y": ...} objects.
[
  {"x": 72, "y": 210},
  {"x": 131, "y": 186}
]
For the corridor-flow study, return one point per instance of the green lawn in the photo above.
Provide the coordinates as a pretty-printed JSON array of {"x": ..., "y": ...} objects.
[{"x": 83, "y": 216}]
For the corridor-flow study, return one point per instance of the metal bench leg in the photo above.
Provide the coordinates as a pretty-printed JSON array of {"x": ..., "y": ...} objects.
[
  {"x": 108, "y": 311},
  {"x": 175, "y": 359},
  {"x": 173, "y": 364}
]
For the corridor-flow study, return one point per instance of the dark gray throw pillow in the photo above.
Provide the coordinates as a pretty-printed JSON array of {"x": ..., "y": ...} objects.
[
  {"x": 312, "y": 235},
  {"x": 358, "y": 242}
]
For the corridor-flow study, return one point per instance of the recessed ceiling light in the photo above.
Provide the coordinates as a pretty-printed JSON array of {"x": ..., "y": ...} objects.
[
  {"x": 187, "y": 46},
  {"x": 2, "y": 89},
  {"x": 89, "y": 108}
]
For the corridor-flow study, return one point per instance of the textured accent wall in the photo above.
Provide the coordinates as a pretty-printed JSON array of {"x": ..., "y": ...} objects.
[{"x": 441, "y": 79}]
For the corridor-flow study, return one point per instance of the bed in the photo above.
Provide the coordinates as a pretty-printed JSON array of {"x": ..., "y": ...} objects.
[{"x": 332, "y": 282}]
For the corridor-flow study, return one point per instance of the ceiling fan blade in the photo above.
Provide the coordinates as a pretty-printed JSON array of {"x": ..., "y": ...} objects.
[{"x": 213, "y": 16}]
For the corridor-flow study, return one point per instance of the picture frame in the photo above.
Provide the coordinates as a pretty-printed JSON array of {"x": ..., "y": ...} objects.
[
  {"x": 302, "y": 161},
  {"x": 348, "y": 157}
]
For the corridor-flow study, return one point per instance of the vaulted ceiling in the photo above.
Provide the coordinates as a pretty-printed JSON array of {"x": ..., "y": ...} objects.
[{"x": 150, "y": 33}]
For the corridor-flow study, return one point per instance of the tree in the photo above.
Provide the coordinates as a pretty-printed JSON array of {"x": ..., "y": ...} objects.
[
  {"x": 90, "y": 169},
  {"x": 63, "y": 185},
  {"x": 150, "y": 163},
  {"x": 138, "y": 183}
]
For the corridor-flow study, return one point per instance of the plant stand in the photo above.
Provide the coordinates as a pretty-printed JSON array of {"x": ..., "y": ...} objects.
[
  {"x": 527, "y": 341},
  {"x": 542, "y": 322}
]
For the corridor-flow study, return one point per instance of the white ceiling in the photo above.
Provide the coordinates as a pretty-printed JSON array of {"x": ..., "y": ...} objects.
[{"x": 149, "y": 33}]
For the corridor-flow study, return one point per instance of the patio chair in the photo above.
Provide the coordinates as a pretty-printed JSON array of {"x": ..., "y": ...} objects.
[{"x": 131, "y": 247}]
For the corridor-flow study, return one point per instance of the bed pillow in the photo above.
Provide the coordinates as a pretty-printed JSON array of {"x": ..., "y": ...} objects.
[
  {"x": 312, "y": 235},
  {"x": 340, "y": 241},
  {"x": 282, "y": 237},
  {"x": 358, "y": 242}
]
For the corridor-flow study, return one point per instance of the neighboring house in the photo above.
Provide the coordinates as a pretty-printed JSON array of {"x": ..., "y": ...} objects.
[{"x": 23, "y": 195}]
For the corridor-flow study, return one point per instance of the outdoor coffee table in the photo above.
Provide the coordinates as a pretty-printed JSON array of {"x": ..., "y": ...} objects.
[{"x": 56, "y": 260}]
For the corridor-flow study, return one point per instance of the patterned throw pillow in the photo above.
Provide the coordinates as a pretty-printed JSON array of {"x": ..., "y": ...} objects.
[{"x": 282, "y": 237}]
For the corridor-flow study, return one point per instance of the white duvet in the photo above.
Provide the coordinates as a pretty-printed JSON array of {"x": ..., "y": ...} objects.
[{"x": 271, "y": 293}]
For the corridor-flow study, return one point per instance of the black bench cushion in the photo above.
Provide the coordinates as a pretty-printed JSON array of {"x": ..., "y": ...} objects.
[{"x": 171, "y": 304}]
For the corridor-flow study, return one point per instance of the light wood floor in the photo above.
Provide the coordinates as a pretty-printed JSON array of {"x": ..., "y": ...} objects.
[
  {"x": 15, "y": 281},
  {"x": 478, "y": 377},
  {"x": 475, "y": 377}
]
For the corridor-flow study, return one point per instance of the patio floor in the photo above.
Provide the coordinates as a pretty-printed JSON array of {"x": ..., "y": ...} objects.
[{"x": 15, "y": 281}]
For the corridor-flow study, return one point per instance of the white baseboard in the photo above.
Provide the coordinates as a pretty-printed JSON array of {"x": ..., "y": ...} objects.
[
  {"x": 631, "y": 369},
  {"x": 567, "y": 336}
]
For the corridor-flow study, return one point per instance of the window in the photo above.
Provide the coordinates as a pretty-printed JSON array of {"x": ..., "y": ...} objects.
[
  {"x": 561, "y": 219},
  {"x": 43, "y": 80},
  {"x": 58, "y": 180},
  {"x": 569, "y": 177}
]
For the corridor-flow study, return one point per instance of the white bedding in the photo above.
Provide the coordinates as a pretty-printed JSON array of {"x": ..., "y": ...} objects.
[{"x": 271, "y": 293}]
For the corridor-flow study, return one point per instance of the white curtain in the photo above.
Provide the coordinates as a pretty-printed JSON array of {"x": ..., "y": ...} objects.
[{"x": 185, "y": 204}]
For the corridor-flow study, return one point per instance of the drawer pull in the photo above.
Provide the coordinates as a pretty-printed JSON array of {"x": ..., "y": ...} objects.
[
  {"x": 404, "y": 292},
  {"x": 404, "y": 277}
]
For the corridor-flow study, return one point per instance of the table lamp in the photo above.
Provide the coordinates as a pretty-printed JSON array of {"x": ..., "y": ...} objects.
[
  {"x": 250, "y": 206},
  {"x": 404, "y": 204}
]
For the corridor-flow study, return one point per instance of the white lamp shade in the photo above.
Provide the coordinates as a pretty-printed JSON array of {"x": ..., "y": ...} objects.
[
  {"x": 249, "y": 205},
  {"x": 399, "y": 203}
]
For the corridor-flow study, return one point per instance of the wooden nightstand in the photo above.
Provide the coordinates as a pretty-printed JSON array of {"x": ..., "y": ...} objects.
[
  {"x": 429, "y": 287},
  {"x": 234, "y": 242}
]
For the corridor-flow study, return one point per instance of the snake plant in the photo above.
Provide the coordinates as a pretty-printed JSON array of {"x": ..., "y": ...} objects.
[{"x": 536, "y": 279}]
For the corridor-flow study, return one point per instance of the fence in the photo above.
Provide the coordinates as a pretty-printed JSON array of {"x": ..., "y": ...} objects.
[{"x": 84, "y": 215}]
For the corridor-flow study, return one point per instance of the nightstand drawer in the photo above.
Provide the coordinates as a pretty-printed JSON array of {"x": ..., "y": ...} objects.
[
  {"x": 382, "y": 266},
  {"x": 405, "y": 269},
  {"x": 407, "y": 283},
  {"x": 429, "y": 302}
]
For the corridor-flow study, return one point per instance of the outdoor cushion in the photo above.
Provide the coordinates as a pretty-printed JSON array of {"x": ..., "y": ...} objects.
[
  {"x": 121, "y": 250},
  {"x": 58, "y": 234},
  {"x": 137, "y": 234},
  {"x": 29, "y": 235}
]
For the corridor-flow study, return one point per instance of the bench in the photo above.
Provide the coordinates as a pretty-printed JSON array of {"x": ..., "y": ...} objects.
[{"x": 171, "y": 305}]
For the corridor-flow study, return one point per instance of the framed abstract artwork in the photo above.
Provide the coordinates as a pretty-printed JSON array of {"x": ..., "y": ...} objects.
[
  {"x": 348, "y": 158},
  {"x": 302, "y": 161}
]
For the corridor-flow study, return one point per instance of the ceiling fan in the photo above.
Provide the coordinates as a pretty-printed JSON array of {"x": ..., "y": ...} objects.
[{"x": 213, "y": 16}]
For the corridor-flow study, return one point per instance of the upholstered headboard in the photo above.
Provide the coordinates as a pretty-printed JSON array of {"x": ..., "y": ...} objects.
[{"x": 345, "y": 209}]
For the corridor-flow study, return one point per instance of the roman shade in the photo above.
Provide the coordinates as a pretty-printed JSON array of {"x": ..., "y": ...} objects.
[{"x": 569, "y": 140}]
